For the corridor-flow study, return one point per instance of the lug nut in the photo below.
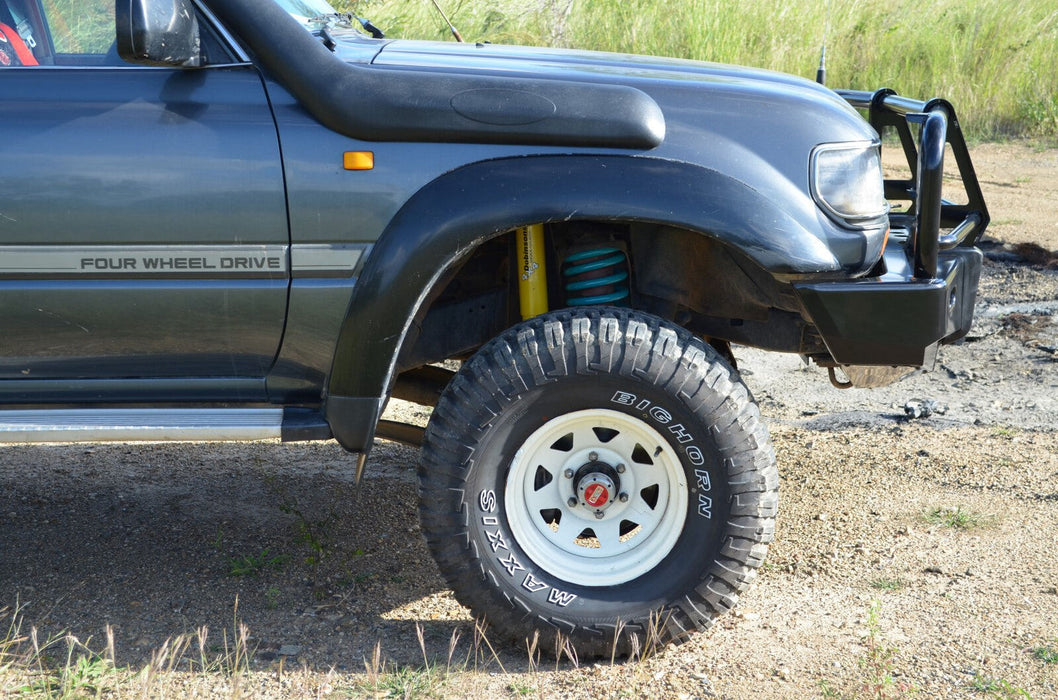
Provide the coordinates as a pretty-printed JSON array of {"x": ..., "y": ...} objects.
[
  {"x": 620, "y": 469},
  {"x": 568, "y": 473},
  {"x": 593, "y": 456},
  {"x": 623, "y": 498},
  {"x": 572, "y": 502},
  {"x": 599, "y": 515}
]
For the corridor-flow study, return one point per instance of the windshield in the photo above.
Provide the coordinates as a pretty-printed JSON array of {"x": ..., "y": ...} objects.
[{"x": 305, "y": 10}]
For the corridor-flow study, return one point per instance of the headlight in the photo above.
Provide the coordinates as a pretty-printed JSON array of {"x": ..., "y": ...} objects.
[{"x": 847, "y": 182}]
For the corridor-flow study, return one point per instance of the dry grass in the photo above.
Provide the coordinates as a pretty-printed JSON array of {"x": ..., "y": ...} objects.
[{"x": 194, "y": 664}]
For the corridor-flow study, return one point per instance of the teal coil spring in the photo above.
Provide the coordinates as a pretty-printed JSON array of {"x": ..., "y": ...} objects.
[{"x": 597, "y": 276}]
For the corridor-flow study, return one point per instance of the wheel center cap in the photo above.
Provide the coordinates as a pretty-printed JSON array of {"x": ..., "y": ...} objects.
[
  {"x": 596, "y": 495},
  {"x": 596, "y": 491}
]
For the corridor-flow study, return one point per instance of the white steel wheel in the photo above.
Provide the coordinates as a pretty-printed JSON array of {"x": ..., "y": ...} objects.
[
  {"x": 597, "y": 477},
  {"x": 596, "y": 497}
]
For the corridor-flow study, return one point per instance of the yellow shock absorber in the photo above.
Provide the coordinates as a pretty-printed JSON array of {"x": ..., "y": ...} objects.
[{"x": 532, "y": 271}]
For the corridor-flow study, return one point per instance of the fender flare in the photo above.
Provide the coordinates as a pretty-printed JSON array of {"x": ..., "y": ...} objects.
[{"x": 462, "y": 209}]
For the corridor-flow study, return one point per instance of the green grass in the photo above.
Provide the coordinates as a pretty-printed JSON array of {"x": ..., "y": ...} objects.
[
  {"x": 405, "y": 682},
  {"x": 955, "y": 518},
  {"x": 878, "y": 661},
  {"x": 1046, "y": 654},
  {"x": 75, "y": 672},
  {"x": 996, "y": 61},
  {"x": 255, "y": 564},
  {"x": 879, "y": 678},
  {"x": 520, "y": 689},
  {"x": 997, "y": 688},
  {"x": 62, "y": 666},
  {"x": 887, "y": 584}
]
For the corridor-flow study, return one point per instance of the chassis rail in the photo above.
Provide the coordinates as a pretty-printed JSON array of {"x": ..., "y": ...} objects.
[{"x": 928, "y": 211}]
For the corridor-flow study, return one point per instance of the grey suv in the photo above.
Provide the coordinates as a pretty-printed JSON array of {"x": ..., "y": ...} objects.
[{"x": 246, "y": 219}]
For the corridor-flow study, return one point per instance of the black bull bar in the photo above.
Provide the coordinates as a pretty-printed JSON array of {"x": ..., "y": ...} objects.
[{"x": 928, "y": 212}]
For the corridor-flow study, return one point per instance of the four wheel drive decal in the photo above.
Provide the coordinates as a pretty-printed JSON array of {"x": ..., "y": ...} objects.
[
  {"x": 183, "y": 262},
  {"x": 487, "y": 503},
  {"x": 267, "y": 260},
  {"x": 143, "y": 261}
]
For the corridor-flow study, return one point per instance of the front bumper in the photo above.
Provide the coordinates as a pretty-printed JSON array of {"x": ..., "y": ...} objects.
[
  {"x": 896, "y": 319},
  {"x": 927, "y": 293}
]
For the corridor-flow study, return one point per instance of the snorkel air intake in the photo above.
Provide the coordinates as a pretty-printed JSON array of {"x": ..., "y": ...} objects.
[{"x": 391, "y": 104}]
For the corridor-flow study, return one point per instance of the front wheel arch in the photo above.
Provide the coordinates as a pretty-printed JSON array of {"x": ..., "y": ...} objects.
[{"x": 462, "y": 209}]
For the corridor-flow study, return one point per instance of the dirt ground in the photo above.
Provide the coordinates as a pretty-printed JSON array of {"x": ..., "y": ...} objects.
[{"x": 913, "y": 554}]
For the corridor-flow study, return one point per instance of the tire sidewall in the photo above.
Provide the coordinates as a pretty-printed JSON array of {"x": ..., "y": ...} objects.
[{"x": 516, "y": 578}]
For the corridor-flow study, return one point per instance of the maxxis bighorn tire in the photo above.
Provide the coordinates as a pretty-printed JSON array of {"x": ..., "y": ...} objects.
[{"x": 598, "y": 473}]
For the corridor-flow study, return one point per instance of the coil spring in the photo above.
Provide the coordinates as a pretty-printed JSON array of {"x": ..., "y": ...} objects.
[{"x": 597, "y": 276}]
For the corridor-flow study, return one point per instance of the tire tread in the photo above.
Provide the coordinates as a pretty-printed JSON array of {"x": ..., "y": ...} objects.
[{"x": 599, "y": 341}]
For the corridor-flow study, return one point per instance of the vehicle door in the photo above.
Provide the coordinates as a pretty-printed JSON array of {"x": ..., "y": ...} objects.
[{"x": 143, "y": 227}]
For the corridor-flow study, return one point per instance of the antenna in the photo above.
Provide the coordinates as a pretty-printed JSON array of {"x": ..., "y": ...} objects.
[
  {"x": 821, "y": 72},
  {"x": 455, "y": 32}
]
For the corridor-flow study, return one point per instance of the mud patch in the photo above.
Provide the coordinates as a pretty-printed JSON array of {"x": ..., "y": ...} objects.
[
  {"x": 1035, "y": 254},
  {"x": 1025, "y": 328}
]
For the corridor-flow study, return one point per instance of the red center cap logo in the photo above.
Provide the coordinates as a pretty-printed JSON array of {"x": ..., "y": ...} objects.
[{"x": 596, "y": 495}]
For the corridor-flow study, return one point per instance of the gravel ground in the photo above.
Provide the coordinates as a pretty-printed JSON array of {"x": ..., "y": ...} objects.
[{"x": 160, "y": 540}]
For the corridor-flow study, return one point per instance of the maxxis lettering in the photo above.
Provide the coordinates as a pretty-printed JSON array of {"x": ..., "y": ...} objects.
[
  {"x": 507, "y": 559},
  {"x": 686, "y": 442}
]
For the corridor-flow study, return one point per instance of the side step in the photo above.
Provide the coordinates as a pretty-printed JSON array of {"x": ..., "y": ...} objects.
[{"x": 161, "y": 425}]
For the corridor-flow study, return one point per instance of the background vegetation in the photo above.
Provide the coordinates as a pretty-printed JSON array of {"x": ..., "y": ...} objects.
[{"x": 997, "y": 61}]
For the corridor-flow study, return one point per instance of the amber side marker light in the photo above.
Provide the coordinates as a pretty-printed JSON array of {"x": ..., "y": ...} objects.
[{"x": 358, "y": 160}]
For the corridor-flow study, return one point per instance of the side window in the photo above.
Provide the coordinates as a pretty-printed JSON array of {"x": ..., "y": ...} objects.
[
  {"x": 22, "y": 39},
  {"x": 80, "y": 27},
  {"x": 74, "y": 33}
]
